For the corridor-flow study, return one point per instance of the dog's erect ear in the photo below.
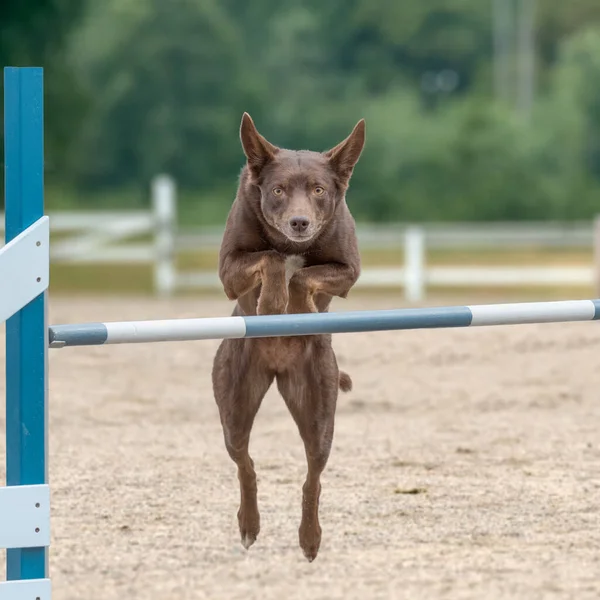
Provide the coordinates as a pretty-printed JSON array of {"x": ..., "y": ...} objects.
[
  {"x": 345, "y": 155},
  {"x": 257, "y": 149}
]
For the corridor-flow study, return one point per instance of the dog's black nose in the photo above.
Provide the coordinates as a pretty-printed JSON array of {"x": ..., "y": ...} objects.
[{"x": 299, "y": 224}]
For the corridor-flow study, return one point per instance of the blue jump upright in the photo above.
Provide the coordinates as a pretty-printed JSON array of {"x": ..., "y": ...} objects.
[{"x": 26, "y": 331}]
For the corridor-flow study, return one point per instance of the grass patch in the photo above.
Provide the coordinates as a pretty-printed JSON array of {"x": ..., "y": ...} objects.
[
  {"x": 138, "y": 279},
  {"x": 551, "y": 257},
  {"x": 101, "y": 279}
]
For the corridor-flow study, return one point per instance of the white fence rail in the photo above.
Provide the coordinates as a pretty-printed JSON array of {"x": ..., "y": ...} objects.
[
  {"x": 112, "y": 237},
  {"x": 108, "y": 237}
]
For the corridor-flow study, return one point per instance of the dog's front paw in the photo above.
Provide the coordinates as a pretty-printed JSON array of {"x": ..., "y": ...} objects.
[
  {"x": 301, "y": 295},
  {"x": 272, "y": 303}
]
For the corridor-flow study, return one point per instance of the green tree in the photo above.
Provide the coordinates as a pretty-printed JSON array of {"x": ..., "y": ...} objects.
[
  {"x": 166, "y": 93},
  {"x": 569, "y": 120},
  {"x": 36, "y": 33},
  {"x": 168, "y": 82}
]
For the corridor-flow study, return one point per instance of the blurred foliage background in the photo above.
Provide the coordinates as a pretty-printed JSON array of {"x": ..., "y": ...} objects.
[{"x": 476, "y": 109}]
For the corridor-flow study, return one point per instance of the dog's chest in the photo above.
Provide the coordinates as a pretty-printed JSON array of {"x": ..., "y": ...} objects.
[{"x": 292, "y": 264}]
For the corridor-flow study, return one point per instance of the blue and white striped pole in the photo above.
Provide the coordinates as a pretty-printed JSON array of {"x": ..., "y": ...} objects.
[
  {"x": 26, "y": 331},
  {"x": 130, "y": 332}
]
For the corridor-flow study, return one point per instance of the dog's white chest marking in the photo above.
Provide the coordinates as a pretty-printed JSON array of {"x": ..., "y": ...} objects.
[{"x": 292, "y": 264}]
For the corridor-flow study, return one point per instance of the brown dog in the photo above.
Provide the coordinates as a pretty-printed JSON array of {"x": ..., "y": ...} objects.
[{"x": 289, "y": 247}]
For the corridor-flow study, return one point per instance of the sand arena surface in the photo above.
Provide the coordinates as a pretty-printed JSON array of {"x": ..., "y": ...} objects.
[{"x": 495, "y": 431}]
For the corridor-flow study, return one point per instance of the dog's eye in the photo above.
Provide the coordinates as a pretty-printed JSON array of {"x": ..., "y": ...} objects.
[
  {"x": 277, "y": 191},
  {"x": 319, "y": 191}
]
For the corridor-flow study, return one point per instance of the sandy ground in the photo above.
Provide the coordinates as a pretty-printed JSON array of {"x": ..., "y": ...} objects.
[{"x": 494, "y": 431}]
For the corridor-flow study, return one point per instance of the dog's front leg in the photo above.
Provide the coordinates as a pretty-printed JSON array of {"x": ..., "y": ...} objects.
[
  {"x": 274, "y": 295},
  {"x": 241, "y": 272},
  {"x": 332, "y": 278}
]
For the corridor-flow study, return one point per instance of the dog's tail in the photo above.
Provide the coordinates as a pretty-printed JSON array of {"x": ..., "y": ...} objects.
[{"x": 345, "y": 382}]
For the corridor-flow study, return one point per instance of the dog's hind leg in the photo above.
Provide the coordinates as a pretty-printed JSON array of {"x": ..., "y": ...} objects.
[
  {"x": 310, "y": 392},
  {"x": 240, "y": 383}
]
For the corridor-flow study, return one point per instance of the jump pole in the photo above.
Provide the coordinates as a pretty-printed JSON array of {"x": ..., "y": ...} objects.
[{"x": 131, "y": 332}]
